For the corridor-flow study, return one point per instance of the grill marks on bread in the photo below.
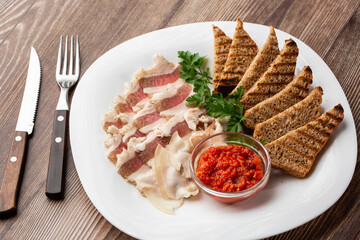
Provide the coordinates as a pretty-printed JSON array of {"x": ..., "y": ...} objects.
[
  {"x": 295, "y": 152},
  {"x": 292, "y": 118},
  {"x": 276, "y": 77},
  {"x": 242, "y": 52},
  {"x": 294, "y": 92},
  {"x": 260, "y": 63},
  {"x": 222, "y": 45}
]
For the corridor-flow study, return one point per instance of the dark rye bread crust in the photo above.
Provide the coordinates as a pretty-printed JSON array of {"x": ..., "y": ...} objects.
[
  {"x": 278, "y": 75},
  {"x": 292, "y": 118},
  {"x": 222, "y": 45},
  {"x": 242, "y": 52},
  {"x": 295, "y": 152},
  {"x": 294, "y": 92},
  {"x": 261, "y": 62}
]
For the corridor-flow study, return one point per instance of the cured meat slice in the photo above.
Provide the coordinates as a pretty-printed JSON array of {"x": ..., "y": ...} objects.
[
  {"x": 150, "y": 148},
  {"x": 134, "y": 134},
  {"x": 118, "y": 124},
  {"x": 147, "y": 119},
  {"x": 131, "y": 166},
  {"x": 113, "y": 154},
  {"x": 182, "y": 129},
  {"x": 179, "y": 97},
  {"x": 121, "y": 106},
  {"x": 160, "y": 80},
  {"x": 136, "y": 96}
]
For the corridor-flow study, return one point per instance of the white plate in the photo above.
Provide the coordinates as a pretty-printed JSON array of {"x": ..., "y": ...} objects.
[{"x": 285, "y": 203}]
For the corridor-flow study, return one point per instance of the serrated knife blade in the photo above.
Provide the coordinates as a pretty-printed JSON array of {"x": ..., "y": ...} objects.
[
  {"x": 13, "y": 171},
  {"x": 26, "y": 117}
]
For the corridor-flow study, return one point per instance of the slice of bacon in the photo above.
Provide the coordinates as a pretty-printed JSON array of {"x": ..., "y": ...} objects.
[
  {"x": 117, "y": 124},
  {"x": 182, "y": 129},
  {"x": 137, "y": 134},
  {"x": 112, "y": 156},
  {"x": 123, "y": 108},
  {"x": 150, "y": 148},
  {"x": 133, "y": 98},
  {"x": 160, "y": 80},
  {"x": 146, "y": 119},
  {"x": 131, "y": 166},
  {"x": 181, "y": 94},
  {"x": 140, "y": 158}
]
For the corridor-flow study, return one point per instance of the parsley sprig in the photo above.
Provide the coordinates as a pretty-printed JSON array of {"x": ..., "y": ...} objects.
[{"x": 215, "y": 104}]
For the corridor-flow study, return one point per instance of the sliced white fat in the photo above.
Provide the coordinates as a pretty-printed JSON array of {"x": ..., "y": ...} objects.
[
  {"x": 197, "y": 136},
  {"x": 108, "y": 117},
  {"x": 179, "y": 109},
  {"x": 148, "y": 128},
  {"x": 171, "y": 91},
  {"x": 191, "y": 117},
  {"x": 128, "y": 131},
  {"x": 164, "y": 88},
  {"x": 146, "y": 183},
  {"x": 161, "y": 66},
  {"x": 146, "y": 108},
  {"x": 171, "y": 183},
  {"x": 124, "y": 156},
  {"x": 144, "y": 177},
  {"x": 165, "y": 205},
  {"x": 165, "y": 129},
  {"x": 179, "y": 151}
]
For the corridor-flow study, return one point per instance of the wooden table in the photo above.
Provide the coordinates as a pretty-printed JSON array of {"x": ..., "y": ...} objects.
[{"x": 331, "y": 28}]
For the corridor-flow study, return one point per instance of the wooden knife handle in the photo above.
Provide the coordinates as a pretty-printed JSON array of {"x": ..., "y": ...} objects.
[
  {"x": 55, "y": 184},
  {"x": 12, "y": 177}
]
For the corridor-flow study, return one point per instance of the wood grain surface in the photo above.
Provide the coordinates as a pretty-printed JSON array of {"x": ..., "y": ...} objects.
[{"x": 331, "y": 28}]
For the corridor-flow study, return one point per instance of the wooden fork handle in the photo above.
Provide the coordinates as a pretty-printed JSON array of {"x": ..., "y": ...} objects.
[
  {"x": 55, "y": 184},
  {"x": 12, "y": 177}
]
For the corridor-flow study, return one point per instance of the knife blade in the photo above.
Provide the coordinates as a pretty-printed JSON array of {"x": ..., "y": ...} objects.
[{"x": 24, "y": 127}]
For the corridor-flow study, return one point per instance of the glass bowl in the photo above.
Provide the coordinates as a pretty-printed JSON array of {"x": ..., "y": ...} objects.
[{"x": 223, "y": 139}]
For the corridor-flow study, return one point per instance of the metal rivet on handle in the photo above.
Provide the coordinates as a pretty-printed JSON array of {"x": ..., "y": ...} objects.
[
  {"x": 58, "y": 139},
  {"x": 13, "y": 159},
  {"x": 60, "y": 118},
  {"x": 18, "y": 138}
]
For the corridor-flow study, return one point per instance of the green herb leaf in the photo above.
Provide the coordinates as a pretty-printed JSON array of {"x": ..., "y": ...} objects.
[{"x": 216, "y": 105}]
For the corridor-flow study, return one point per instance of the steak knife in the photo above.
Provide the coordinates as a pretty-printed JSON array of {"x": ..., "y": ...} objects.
[{"x": 24, "y": 127}]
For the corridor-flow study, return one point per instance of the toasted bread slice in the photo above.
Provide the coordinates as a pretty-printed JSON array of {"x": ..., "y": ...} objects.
[
  {"x": 292, "y": 118},
  {"x": 295, "y": 152},
  {"x": 242, "y": 52},
  {"x": 261, "y": 62},
  {"x": 294, "y": 92},
  {"x": 279, "y": 74},
  {"x": 222, "y": 45}
]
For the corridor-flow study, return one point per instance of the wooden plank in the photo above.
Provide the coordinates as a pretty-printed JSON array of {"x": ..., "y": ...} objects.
[{"x": 329, "y": 27}]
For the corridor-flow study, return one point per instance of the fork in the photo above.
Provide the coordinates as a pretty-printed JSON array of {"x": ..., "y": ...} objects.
[{"x": 67, "y": 78}]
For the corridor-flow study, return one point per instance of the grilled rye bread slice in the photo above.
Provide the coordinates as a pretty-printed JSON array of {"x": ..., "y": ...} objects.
[
  {"x": 222, "y": 45},
  {"x": 261, "y": 62},
  {"x": 294, "y": 92},
  {"x": 292, "y": 118},
  {"x": 295, "y": 152},
  {"x": 279, "y": 74},
  {"x": 242, "y": 52}
]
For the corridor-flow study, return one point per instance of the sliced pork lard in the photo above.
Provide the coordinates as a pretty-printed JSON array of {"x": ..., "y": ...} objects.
[
  {"x": 148, "y": 118},
  {"x": 135, "y": 95},
  {"x": 178, "y": 97},
  {"x": 121, "y": 106},
  {"x": 174, "y": 124},
  {"x": 158, "y": 76}
]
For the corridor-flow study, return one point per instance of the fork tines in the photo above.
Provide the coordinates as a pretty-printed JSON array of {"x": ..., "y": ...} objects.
[{"x": 64, "y": 64}]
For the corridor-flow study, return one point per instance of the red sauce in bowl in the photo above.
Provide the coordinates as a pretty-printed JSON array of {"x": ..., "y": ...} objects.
[{"x": 230, "y": 168}]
